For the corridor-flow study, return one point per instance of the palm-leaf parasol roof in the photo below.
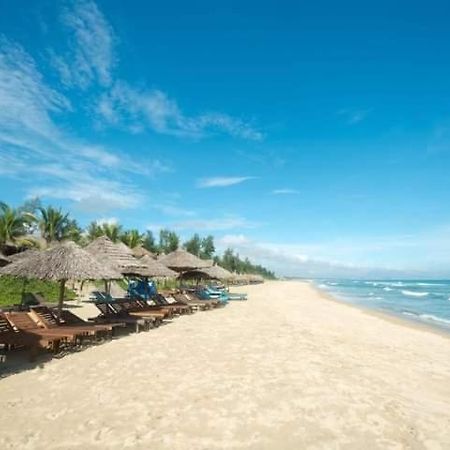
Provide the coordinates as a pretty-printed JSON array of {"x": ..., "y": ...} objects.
[
  {"x": 118, "y": 256},
  {"x": 139, "y": 252},
  {"x": 157, "y": 269},
  {"x": 22, "y": 255},
  {"x": 63, "y": 262},
  {"x": 217, "y": 272},
  {"x": 181, "y": 260}
]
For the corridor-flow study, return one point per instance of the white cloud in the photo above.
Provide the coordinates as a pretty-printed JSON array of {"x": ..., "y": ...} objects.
[
  {"x": 221, "y": 181},
  {"x": 26, "y": 102},
  {"x": 232, "y": 240},
  {"x": 91, "y": 57},
  {"x": 137, "y": 109},
  {"x": 90, "y": 61},
  {"x": 285, "y": 191},
  {"x": 384, "y": 256},
  {"x": 224, "y": 223},
  {"x": 49, "y": 162},
  {"x": 172, "y": 210},
  {"x": 107, "y": 221}
]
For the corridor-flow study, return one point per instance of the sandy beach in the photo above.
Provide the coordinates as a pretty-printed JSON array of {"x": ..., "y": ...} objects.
[{"x": 288, "y": 369}]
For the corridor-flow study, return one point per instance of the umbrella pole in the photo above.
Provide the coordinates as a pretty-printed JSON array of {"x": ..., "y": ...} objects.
[{"x": 62, "y": 288}]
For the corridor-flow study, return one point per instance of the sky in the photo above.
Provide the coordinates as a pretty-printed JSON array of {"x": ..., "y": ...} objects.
[{"x": 312, "y": 137}]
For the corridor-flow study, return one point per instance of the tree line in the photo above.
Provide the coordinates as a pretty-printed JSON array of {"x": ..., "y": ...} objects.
[{"x": 34, "y": 225}]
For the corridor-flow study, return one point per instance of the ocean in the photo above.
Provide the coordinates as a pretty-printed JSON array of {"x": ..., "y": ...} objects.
[{"x": 425, "y": 301}]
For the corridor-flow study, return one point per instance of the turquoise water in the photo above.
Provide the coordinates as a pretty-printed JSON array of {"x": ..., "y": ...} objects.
[{"x": 426, "y": 301}]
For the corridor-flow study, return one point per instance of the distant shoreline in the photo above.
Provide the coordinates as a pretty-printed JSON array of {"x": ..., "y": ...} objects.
[{"x": 390, "y": 317}]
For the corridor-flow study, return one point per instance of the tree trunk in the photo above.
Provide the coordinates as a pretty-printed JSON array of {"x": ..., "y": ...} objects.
[{"x": 62, "y": 288}]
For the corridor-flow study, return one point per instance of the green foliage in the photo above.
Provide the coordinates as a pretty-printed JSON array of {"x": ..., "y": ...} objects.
[
  {"x": 112, "y": 230},
  {"x": 13, "y": 224},
  {"x": 202, "y": 247},
  {"x": 93, "y": 231},
  {"x": 149, "y": 242},
  {"x": 193, "y": 245},
  {"x": 168, "y": 241},
  {"x": 234, "y": 263},
  {"x": 207, "y": 247},
  {"x": 132, "y": 238},
  {"x": 11, "y": 290},
  {"x": 54, "y": 225}
]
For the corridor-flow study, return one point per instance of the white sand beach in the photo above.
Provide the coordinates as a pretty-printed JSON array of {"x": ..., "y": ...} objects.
[{"x": 287, "y": 369}]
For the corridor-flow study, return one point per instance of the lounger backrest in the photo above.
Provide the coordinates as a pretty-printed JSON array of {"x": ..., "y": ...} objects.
[
  {"x": 22, "y": 321},
  {"x": 45, "y": 315},
  {"x": 104, "y": 309},
  {"x": 5, "y": 326}
]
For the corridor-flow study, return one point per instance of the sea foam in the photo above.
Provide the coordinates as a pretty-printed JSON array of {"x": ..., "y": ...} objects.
[{"x": 414, "y": 294}]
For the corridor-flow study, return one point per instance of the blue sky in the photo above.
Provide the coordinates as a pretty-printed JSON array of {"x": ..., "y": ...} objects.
[{"x": 314, "y": 138}]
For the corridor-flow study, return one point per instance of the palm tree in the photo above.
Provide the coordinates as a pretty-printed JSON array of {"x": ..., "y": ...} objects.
[
  {"x": 93, "y": 231},
  {"x": 13, "y": 226},
  {"x": 54, "y": 225},
  {"x": 132, "y": 238},
  {"x": 112, "y": 230}
]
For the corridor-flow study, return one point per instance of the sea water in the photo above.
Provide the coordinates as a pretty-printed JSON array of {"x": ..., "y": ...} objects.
[{"x": 426, "y": 301}]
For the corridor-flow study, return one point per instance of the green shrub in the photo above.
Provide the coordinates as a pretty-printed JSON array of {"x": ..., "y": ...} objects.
[{"x": 11, "y": 290}]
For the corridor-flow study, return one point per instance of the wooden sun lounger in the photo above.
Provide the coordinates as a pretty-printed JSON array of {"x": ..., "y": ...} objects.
[
  {"x": 187, "y": 301},
  {"x": 70, "y": 319},
  {"x": 13, "y": 339},
  {"x": 45, "y": 316},
  {"x": 22, "y": 321},
  {"x": 109, "y": 315},
  {"x": 179, "y": 308},
  {"x": 139, "y": 307}
]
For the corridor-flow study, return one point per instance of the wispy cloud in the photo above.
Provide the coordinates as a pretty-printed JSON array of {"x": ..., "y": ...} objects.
[
  {"x": 216, "y": 224},
  {"x": 229, "y": 222},
  {"x": 49, "y": 162},
  {"x": 89, "y": 61},
  {"x": 221, "y": 181},
  {"x": 173, "y": 210},
  {"x": 285, "y": 191},
  {"x": 91, "y": 57},
  {"x": 139, "y": 109}
]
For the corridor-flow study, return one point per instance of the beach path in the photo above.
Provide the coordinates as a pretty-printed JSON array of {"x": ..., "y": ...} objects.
[{"x": 287, "y": 369}]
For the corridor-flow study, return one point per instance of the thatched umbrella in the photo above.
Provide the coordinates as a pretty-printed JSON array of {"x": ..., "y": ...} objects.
[
  {"x": 4, "y": 260},
  {"x": 218, "y": 273},
  {"x": 118, "y": 256},
  {"x": 22, "y": 255},
  {"x": 157, "y": 269},
  {"x": 182, "y": 261},
  {"x": 61, "y": 263},
  {"x": 139, "y": 252}
]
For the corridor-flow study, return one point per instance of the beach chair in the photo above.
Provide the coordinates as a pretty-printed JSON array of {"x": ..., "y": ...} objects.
[
  {"x": 222, "y": 291},
  {"x": 133, "y": 309},
  {"x": 171, "y": 302},
  {"x": 69, "y": 318},
  {"x": 205, "y": 294},
  {"x": 202, "y": 305},
  {"x": 45, "y": 317},
  {"x": 23, "y": 322},
  {"x": 110, "y": 315},
  {"x": 14, "y": 338}
]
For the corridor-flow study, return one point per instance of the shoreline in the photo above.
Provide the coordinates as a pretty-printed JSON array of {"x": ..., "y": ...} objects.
[{"x": 390, "y": 317}]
